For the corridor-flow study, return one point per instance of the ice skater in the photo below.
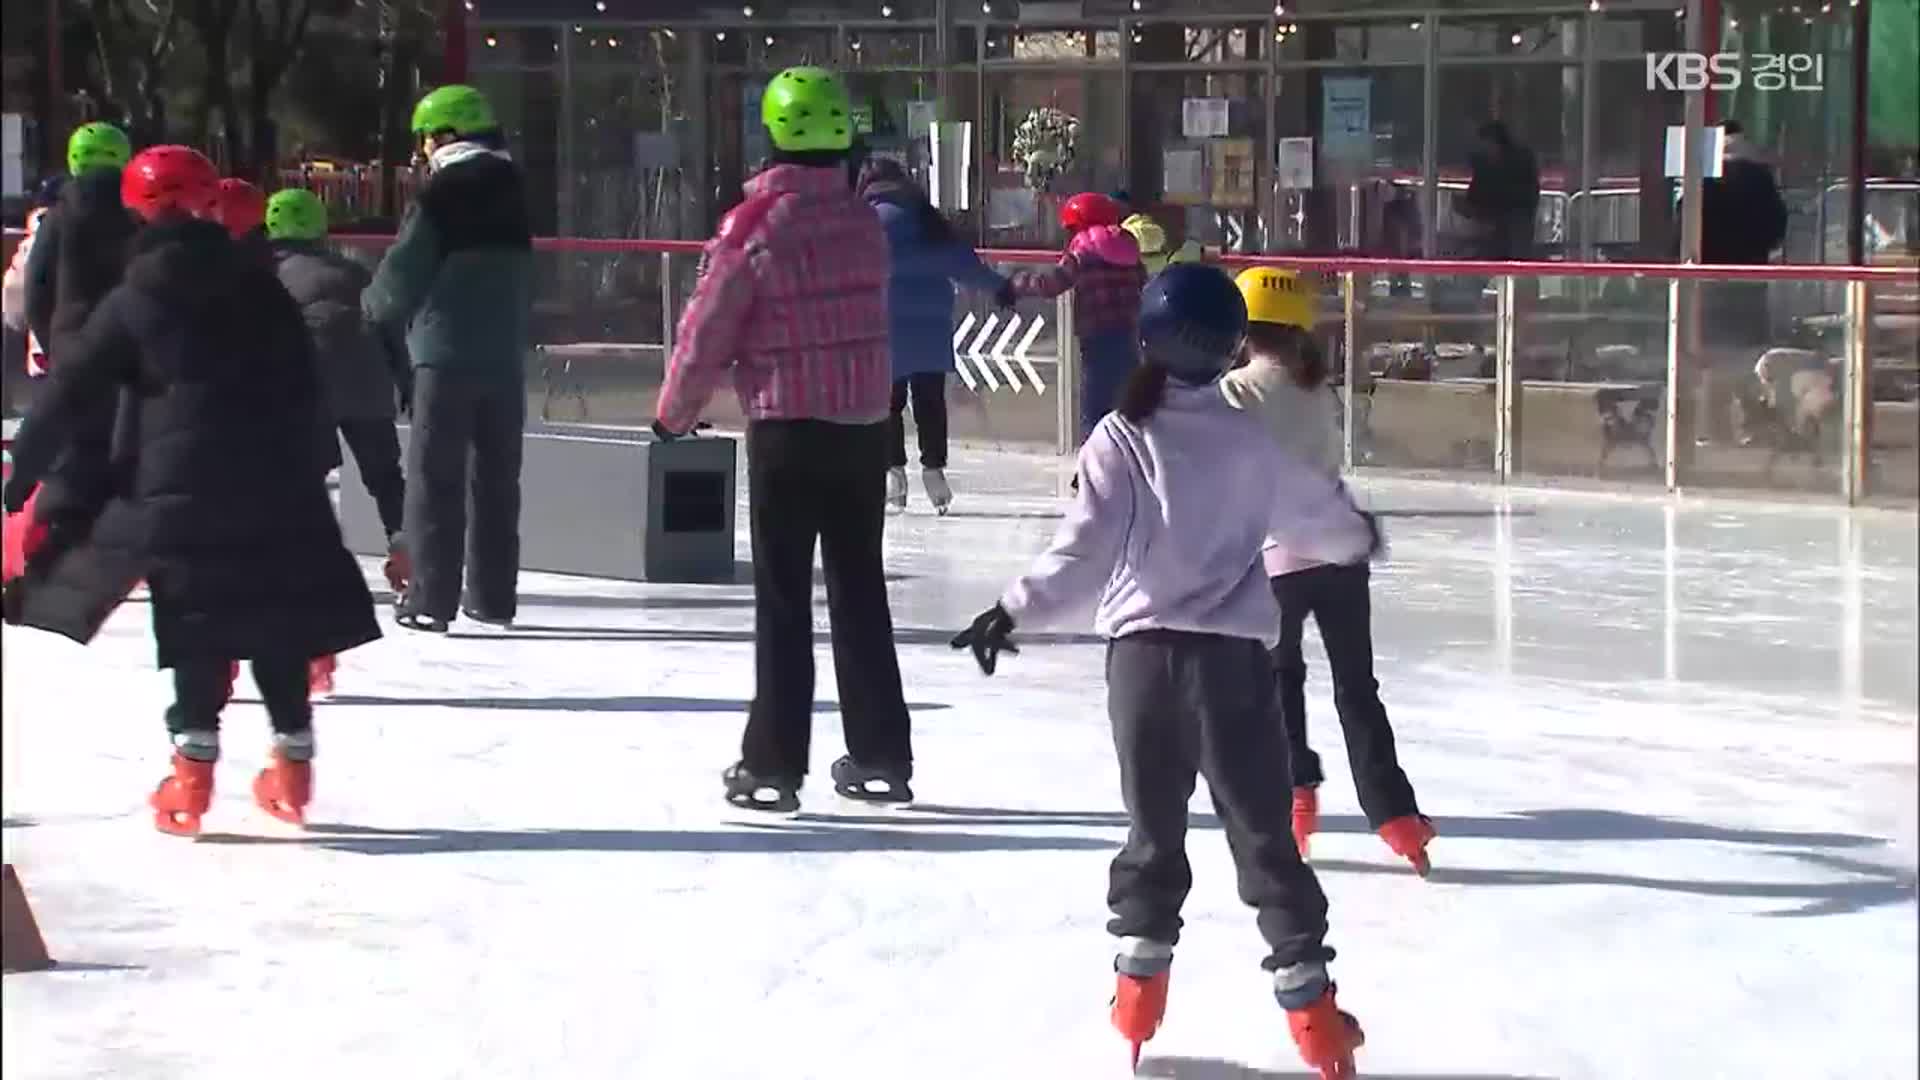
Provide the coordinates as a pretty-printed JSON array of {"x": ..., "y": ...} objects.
[
  {"x": 220, "y": 503},
  {"x": 1101, "y": 267},
  {"x": 459, "y": 281},
  {"x": 793, "y": 305},
  {"x": 1164, "y": 541},
  {"x": 1283, "y": 382},
  {"x": 363, "y": 370},
  {"x": 928, "y": 258}
]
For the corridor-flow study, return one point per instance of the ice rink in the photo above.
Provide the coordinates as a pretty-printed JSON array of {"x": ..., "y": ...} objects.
[{"x": 1670, "y": 751}]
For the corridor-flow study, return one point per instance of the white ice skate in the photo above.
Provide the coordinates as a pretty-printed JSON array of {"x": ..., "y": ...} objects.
[
  {"x": 896, "y": 490},
  {"x": 939, "y": 492}
]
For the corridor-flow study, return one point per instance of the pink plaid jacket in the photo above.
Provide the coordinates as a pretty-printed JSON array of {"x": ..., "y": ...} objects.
[{"x": 792, "y": 300}]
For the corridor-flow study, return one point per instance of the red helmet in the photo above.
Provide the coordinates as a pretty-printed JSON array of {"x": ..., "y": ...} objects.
[
  {"x": 241, "y": 207},
  {"x": 1087, "y": 209},
  {"x": 169, "y": 178}
]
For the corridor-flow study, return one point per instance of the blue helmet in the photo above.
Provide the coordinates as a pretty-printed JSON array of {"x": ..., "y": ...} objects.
[{"x": 1192, "y": 318}]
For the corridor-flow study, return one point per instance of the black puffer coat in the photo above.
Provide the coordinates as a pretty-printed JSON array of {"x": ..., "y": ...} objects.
[
  {"x": 358, "y": 365},
  {"x": 223, "y": 507},
  {"x": 78, "y": 257}
]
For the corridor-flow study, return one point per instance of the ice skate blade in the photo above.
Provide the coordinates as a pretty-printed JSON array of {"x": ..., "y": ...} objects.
[
  {"x": 782, "y": 805},
  {"x": 177, "y": 823},
  {"x": 897, "y": 796}
]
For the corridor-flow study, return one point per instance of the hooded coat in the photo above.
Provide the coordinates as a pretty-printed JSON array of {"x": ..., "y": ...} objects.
[
  {"x": 925, "y": 266},
  {"x": 222, "y": 505}
]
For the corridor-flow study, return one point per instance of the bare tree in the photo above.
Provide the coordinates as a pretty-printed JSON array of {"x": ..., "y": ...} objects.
[
  {"x": 133, "y": 40},
  {"x": 212, "y": 21},
  {"x": 276, "y": 30}
]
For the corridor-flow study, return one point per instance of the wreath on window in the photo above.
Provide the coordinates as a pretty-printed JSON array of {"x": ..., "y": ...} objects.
[{"x": 1043, "y": 146}]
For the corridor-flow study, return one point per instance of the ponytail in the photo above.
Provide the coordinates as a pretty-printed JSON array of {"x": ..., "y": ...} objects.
[
  {"x": 1311, "y": 373},
  {"x": 1145, "y": 389}
]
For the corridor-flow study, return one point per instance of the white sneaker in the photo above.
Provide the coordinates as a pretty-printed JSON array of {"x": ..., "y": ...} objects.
[
  {"x": 896, "y": 489},
  {"x": 939, "y": 492}
]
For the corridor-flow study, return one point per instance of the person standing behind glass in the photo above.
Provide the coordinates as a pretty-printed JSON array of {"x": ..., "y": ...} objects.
[{"x": 927, "y": 259}]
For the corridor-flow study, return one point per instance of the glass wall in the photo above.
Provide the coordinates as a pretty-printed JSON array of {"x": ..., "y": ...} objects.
[{"x": 1245, "y": 125}]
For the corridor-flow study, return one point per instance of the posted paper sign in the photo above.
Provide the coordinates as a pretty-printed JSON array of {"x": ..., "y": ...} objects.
[
  {"x": 1232, "y": 169},
  {"x": 1204, "y": 118},
  {"x": 1710, "y": 144},
  {"x": 1183, "y": 176},
  {"x": 1293, "y": 166},
  {"x": 1346, "y": 119}
]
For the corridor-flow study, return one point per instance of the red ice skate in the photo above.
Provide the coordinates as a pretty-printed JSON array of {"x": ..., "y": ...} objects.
[
  {"x": 1408, "y": 835},
  {"x": 284, "y": 788},
  {"x": 1139, "y": 1004},
  {"x": 182, "y": 798},
  {"x": 1141, "y": 971},
  {"x": 1326, "y": 1037},
  {"x": 1306, "y": 817},
  {"x": 320, "y": 671}
]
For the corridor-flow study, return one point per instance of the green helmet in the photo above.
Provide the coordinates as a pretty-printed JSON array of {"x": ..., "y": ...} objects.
[
  {"x": 98, "y": 145},
  {"x": 807, "y": 108},
  {"x": 296, "y": 214},
  {"x": 459, "y": 109}
]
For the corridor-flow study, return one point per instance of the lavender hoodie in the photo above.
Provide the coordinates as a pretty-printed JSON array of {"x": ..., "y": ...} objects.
[{"x": 1171, "y": 516}]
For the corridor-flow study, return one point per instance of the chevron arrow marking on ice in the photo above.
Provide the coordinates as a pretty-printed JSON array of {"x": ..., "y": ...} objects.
[
  {"x": 1020, "y": 353},
  {"x": 1000, "y": 352},
  {"x": 959, "y": 343},
  {"x": 978, "y": 353}
]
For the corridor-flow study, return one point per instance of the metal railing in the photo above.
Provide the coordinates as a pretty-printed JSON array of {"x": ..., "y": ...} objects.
[{"x": 1792, "y": 380}]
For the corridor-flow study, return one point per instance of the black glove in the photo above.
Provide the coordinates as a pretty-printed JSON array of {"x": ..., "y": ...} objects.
[
  {"x": 13, "y": 498},
  {"x": 1006, "y": 297},
  {"x": 1379, "y": 545},
  {"x": 664, "y": 433},
  {"x": 990, "y": 635}
]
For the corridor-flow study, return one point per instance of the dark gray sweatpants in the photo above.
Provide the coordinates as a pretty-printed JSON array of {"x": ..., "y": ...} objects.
[
  {"x": 463, "y": 493},
  {"x": 1181, "y": 704}
]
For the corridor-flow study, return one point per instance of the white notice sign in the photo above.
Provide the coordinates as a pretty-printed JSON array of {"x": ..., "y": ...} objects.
[
  {"x": 1204, "y": 118},
  {"x": 1293, "y": 168}
]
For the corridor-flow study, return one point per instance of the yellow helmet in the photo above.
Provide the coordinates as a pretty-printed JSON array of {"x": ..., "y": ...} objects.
[
  {"x": 1275, "y": 296},
  {"x": 1147, "y": 233}
]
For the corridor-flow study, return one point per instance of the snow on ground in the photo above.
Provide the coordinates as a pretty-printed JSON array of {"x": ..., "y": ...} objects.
[{"x": 1671, "y": 752}]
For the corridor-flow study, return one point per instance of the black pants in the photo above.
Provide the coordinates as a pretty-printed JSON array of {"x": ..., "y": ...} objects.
[
  {"x": 464, "y": 461},
  {"x": 812, "y": 480},
  {"x": 375, "y": 447},
  {"x": 200, "y": 690},
  {"x": 929, "y": 392},
  {"x": 1183, "y": 704},
  {"x": 1337, "y": 598}
]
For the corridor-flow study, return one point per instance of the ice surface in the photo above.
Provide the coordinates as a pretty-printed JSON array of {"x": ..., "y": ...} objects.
[{"x": 1671, "y": 752}]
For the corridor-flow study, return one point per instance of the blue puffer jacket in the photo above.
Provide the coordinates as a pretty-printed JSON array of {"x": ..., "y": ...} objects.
[{"x": 920, "y": 292}]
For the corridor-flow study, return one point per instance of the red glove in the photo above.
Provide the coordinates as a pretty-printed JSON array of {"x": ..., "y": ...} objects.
[{"x": 23, "y": 535}]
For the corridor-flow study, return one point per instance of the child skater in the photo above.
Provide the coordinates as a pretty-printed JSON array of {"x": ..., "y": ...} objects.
[
  {"x": 222, "y": 505},
  {"x": 1101, "y": 267},
  {"x": 1178, "y": 493},
  {"x": 1284, "y": 383}
]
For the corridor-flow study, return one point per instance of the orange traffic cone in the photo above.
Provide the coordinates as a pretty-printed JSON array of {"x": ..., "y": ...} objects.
[{"x": 21, "y": 947}]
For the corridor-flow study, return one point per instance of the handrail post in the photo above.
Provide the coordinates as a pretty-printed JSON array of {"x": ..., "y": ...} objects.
[
  {"x": 1857, "y": 393},
  {"x": 1506, "y": 417},
  {"x": 1067, "y": 376},
  {"x": 1350, "y": 337},
  {"x": 1671, "y": 417},
  {"x": 666, "y": 310}
]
